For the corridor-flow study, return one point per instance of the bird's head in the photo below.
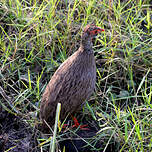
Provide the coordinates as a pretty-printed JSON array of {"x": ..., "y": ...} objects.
[
  {"x": 92, "y": 30},
  {"x": 89, "y": 32}
]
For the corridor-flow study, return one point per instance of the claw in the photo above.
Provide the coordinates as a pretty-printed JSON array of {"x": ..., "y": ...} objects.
[{"x": 84, "y": 127}]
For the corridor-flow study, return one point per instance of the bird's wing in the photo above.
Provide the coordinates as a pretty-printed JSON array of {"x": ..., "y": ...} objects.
[{"x": 49, "y": 99}]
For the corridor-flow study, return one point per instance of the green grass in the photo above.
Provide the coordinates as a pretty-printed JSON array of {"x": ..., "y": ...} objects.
[{"x": 37, "y": 36}]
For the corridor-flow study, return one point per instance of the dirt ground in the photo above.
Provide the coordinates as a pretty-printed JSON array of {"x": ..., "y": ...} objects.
[{"x": 15, "y": 134}]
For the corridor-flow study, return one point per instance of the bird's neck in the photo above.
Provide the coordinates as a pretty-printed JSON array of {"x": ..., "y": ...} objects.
[{"x": 86, "y": 46}]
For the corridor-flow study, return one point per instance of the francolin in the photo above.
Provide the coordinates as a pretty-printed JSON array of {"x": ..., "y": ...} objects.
[{"x": 73, "y": 82}]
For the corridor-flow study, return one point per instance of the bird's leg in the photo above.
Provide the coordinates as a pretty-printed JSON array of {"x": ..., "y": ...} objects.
[{"x": 76, "y": 124}]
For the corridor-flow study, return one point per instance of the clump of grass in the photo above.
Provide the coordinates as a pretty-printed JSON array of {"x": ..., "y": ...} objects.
[{"x": 37, "y": 36}]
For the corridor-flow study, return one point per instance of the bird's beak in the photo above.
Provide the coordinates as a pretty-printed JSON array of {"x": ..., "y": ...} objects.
[{"x": 98, "y": 29}]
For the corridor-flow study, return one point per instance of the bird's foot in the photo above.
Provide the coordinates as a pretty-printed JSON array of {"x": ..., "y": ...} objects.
[
  {"x": 76, "y": 124},
  {"x": 65, "y": 125}
]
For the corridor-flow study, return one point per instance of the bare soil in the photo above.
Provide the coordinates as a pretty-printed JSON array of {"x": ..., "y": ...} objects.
[{"x": 15, "y": 134}]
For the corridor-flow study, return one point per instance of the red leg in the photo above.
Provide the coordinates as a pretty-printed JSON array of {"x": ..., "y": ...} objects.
[{"x": 76, "y": 124}]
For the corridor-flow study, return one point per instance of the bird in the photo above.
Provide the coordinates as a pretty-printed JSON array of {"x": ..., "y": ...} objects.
[{"x": 73, "y": 82}]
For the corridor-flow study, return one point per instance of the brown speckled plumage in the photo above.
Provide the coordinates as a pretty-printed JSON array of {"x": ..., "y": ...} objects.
[{"x": 73, "y": 82}]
